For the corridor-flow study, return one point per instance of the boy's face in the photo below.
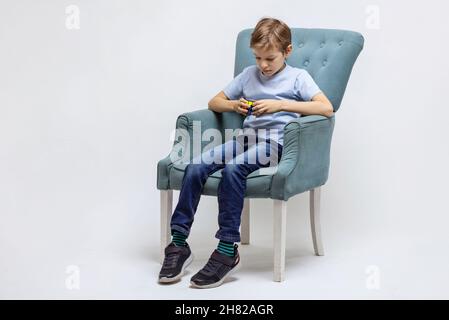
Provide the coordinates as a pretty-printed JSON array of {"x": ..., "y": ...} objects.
[{"x": 271, "y": 60}]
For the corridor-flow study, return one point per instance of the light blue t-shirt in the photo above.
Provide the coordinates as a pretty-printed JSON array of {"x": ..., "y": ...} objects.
[{"x": 289, "y": 84}]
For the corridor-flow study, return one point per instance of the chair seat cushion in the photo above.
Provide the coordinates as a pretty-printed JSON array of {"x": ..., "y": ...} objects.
[{"x": 258, "y": 183}]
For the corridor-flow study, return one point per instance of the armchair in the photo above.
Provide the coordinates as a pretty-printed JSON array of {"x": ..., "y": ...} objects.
[{"x": 328, "y": 55}]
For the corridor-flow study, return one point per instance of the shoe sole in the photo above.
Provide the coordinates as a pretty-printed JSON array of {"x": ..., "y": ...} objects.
[
  {"x": 180, "y": 274},
  {"x": 218, "y": 283}
]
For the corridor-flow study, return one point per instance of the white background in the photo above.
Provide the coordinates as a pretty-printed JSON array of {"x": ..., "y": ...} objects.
[{"x": 85, "y": 115}]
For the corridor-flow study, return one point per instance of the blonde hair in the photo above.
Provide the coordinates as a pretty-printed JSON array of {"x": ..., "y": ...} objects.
[{"x": 271, "y": 33}]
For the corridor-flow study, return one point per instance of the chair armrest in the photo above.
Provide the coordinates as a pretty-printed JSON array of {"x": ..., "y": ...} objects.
[
  {"x": 207, "y": 119},
  {"x": 304, "y": 163}
]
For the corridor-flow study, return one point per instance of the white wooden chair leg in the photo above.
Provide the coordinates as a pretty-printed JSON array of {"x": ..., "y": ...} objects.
[
  {"x": 280, "y": 224},
  {"x": 245, "y": 228},
  {"x": 166, "y": 212},
  {"x": 315, "y": 195}
]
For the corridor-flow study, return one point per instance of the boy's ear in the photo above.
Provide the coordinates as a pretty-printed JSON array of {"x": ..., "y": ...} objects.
[{"x": 288, "y": 50}]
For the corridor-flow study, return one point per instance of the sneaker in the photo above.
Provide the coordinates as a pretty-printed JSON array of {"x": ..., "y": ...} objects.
[
  {"x": 216, "y": 270},
  {"x": 175, "y": 262}
]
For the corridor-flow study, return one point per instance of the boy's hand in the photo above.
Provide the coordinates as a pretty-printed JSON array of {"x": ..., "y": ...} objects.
[
  {"x": 266, "y": 106},
  {"x": 241, "y": 107}
]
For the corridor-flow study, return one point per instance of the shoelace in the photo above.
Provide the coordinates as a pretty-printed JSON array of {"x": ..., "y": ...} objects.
[{"x": 171, "y": 260}]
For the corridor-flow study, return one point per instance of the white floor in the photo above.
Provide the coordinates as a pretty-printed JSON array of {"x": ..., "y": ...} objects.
[{"x": 118, "y": 259}]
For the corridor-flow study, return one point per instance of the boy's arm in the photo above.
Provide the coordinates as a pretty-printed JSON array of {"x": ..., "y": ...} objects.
[
  {"x": 319, "y": 104},
  {"x": 221, "y": 103}
]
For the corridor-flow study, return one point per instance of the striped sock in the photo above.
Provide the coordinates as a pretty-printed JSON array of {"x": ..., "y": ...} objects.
[
  {"x": 226, "y": 248},
  {"x": 178, "y": 239}
]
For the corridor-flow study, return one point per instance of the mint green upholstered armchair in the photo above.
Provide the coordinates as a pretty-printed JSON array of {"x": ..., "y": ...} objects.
[{"x": 328, "y": 55}]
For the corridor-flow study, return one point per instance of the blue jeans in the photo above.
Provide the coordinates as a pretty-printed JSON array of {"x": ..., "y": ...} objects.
[{"x": 231, "y": 189}]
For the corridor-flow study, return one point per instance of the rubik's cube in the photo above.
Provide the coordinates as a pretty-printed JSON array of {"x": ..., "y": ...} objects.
[{"x": 250, "y": 109}]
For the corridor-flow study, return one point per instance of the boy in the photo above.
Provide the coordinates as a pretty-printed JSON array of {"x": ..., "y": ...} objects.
[{"x": 279, "y": 93}]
